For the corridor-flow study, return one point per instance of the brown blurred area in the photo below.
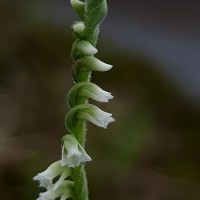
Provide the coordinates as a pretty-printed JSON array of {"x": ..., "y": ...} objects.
[{"x": 152, "y": 150}]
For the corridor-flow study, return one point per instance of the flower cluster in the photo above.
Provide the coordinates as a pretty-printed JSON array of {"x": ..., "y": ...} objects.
[
  {"x": 66, "y": 178},
  {"x": 55, "y": 189}
]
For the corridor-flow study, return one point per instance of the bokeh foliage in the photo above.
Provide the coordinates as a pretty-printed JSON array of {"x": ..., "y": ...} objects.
[{"x": 150, "y": 152}]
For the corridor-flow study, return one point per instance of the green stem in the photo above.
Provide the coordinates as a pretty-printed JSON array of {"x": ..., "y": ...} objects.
[
  {"x": 79, "y": 174},
  {"x": 80, "y": 183},
  {"x": 92, "y": 12}
]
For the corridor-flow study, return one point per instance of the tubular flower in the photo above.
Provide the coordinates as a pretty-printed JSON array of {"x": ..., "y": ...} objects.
[
  {"x": 73, "y": 153},
  {"x": 64, "y": 191},
  {"x": 87, "y": 112},
  {"x": 93, "y": 91},
  {"x": 55, "y": 169},
  {"x": 96, "y": 116},
  {"x": 84, "y": 90}
]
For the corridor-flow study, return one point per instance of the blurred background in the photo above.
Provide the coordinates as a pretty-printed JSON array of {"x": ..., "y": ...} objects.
[{"x": 152, "y": 150}]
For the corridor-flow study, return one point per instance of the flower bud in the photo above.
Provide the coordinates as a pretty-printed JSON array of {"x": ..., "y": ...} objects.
[
  {"x": 76, "y": 3},
  {"x": 78, "y": 26},
  {"x": 79, "y": 7},
  {"x": 94, "y": 64},
  {"x": 82, "y": 48}
]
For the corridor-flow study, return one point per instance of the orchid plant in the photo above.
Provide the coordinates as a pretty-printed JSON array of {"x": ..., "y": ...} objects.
[{"x": 66, "y": 178}]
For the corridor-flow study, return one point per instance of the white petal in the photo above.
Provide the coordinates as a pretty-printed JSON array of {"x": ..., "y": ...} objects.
[
  {"x": 40, "y": 198},
  {"x": 82, "y": 48},
  {"x": 84, "y": 156},
  {"x": 64, "y": 189},
  {"x": 86, "y": 48},
  {"x": 93, "y": 91},
  {"x": 76, "y": 3},
  {"x": 64, "y": 175},
  {"x": 96, "y": 116},
  {"x": 44, "y": 182},
  {"x": 95, "y": 64},
  {"x": 73, "y": 153},
  {"x": 46, "y": 177},
  {"x": 64, "y": 197},
  {"x": 70, "y": 161},
  {"x": 48, "y": 195},
  {"x": 103, "y": 95}
]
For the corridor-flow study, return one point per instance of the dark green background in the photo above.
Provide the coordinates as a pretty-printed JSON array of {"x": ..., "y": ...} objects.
[{"x": 152, "y": 150}]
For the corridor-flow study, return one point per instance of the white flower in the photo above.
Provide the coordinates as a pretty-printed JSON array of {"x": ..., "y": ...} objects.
[
  {"x": 78, "y": 26},
  {"x": 64, "y": 191},
  {"x": 95, "y": 115},
  {"x": 73, "y": 153},
  {"x": 86, "y": 48},
  {"x": 83, "y": 48},
  {"x": 95, "y": 64},
  {"x": 55, "y": 169},
  {"x": 93, "y": 91}
]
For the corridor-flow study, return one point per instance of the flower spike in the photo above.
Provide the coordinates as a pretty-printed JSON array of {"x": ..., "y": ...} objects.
[{"x": 66, "y": 179}]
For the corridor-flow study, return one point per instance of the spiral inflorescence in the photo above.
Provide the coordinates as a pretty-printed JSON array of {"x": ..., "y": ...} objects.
[
  {"x": 86, "y": 30},
  {"x": 72, "y": 182}
]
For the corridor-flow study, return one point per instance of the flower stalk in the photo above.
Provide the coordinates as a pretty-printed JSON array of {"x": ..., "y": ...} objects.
[{"x": 69, "y": 171}]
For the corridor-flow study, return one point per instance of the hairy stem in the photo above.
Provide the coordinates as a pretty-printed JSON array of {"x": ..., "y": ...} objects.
[
  {"x": 92, "y": 13},
  {"x": 80, "y": 183}
]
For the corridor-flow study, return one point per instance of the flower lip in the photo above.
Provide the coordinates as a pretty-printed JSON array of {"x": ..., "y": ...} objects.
[{"x": 73, "y": 153}]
